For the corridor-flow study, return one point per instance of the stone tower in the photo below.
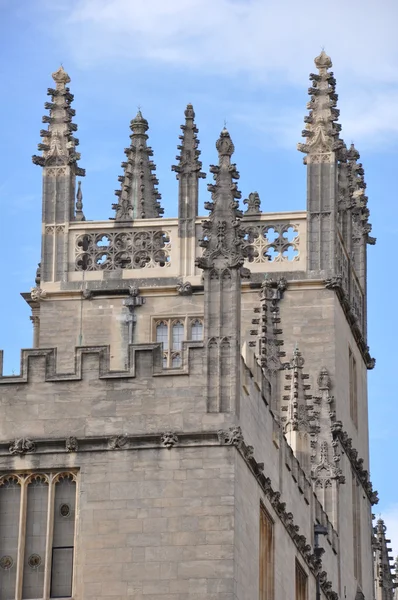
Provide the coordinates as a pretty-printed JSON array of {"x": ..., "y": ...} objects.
[{"x": 191, "y": 422}]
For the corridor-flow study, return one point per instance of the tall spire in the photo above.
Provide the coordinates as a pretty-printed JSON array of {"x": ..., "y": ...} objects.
[
  {"x": 138, "y": 196},
  {"x": 59, "y": 146},
  {"x": 321, "y": 131},
  {"x": 188, "y": 173},
  {"x": 59, "y": 160},
  {"x": 222, "y": 262},
  {"x": 323, "y": 148},
  {"x": 222, "y": 234}
]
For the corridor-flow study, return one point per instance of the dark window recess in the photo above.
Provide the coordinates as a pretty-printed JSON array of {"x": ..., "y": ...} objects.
[{"x": 61, "y": 572}]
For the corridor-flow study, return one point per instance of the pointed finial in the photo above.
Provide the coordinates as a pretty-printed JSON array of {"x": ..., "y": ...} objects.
[
  {"x": 224, "y": 144},
  {"x": 323, "y": 61},
  {"x": 79, "y": 203},
  {"x": 322, "y": 144},
  {"x": 60, "y": 76},
  {"x": 189, "y": 111},
  {"x": 138, "y": 196},
  {"x": 58, "y": 146},
  {"x": 139, "y": 125},
  {"x": 189, "y": 154}
]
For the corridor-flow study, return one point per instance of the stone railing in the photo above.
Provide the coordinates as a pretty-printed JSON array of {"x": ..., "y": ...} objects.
[
  {"x": 153, "y": 247},
  {"x": 279, "y": 241},
  {"x": 100, "y": 246}
]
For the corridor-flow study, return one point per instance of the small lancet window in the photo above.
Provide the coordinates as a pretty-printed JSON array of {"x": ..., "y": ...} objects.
[
  {"x": 178, "y": 335},
  {"x": 162, "y": 334},
  {"x": 197, "y": 330}
]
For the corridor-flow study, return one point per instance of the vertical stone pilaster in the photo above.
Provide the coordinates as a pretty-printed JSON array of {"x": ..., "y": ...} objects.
[{"x": 222, "y": 262}]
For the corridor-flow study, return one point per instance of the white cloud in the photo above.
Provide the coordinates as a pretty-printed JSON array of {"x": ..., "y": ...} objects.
[
  {"x": 268, "y": 46},
  {"x": 260, "y": 37}
]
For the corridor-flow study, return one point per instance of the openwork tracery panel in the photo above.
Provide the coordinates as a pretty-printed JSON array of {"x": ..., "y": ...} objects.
[
  {"x": 279, "y": 242},
  {"x": 108, "y": 251}
]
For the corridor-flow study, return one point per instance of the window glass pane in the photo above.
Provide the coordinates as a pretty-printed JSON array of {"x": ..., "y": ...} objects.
[
  {"x": 178, "y": 335},
  {"x": 10, "y": 498},
  {"x": 176, "y": 360},
  {"x": 266, "y": 555},
  {"x": 162, "y": 334},
  {"x": 35, "y": 541},
  {"x": 61, "y": 573},
  {"x": 197, "y": 330},
  {"x": 164, "y": 361}
]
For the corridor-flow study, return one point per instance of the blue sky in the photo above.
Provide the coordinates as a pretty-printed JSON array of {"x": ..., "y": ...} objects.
[{"x": 245, "y": 61}]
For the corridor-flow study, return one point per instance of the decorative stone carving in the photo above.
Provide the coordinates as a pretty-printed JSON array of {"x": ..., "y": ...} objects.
[
  {"x": 113, "y": 250},
  {"x": 184, "y": 288},
  {"x": 357, "y": 463},
  {"x": 71, "y": 444},
  {"x": 300, "y": 414},
  {"x": 6, "y": 562},
  {"x": 169, "y": 439},
  {"x": 224, "y": 247},
  {"x": 233, "y": 437},
  {"x": 274, "y": 242},
  {"x": 22, "y": 446},
  {"x": 325, "y": 455},
  {"x": 138, "y": 196},
  {"x": 59, "y": 146},
  {"x": 322, "y": 131},
  {"x": 87, "y": 294},
  {"x": 334, "y": 282},
  {"x": 268, "y": 351},
  {"x": 37, "y": 293},
  {"x": 117, "y": 441},
  {"x": 253, "y": 204}
]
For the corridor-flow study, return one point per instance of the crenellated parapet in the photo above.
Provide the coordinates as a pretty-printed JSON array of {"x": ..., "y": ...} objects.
[{"x": 138, "y": 196}]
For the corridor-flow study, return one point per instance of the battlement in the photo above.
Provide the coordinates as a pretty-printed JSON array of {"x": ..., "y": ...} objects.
[{"x": 42, "y": 363}]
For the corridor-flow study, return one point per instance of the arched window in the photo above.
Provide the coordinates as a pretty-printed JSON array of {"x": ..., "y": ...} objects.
[
  {"x": 178, "y": 335},
  {"x": 162, "y": 334},
  {"x": 196, "y": 330}
]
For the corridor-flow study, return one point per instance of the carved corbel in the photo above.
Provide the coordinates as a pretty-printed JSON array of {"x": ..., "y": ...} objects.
[{"x": 22, "y": 446}]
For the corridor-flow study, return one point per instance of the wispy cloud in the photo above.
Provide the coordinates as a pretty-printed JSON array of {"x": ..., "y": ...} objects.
[
  {"x": 268, "y": 46},
  {"x": 257, "y": 36}
]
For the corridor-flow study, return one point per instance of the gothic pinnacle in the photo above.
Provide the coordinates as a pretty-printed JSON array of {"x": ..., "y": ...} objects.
[
  {"x": 360, "y": 211},
  {"x": 322, "y": 131},
  {"x": 188, "y": 158},
  {"x": 58, "y": 145},
  {"x": 138, "y": 196},
  {"x": 222, "y": 235},
  {"x": 79, "y": 215}
]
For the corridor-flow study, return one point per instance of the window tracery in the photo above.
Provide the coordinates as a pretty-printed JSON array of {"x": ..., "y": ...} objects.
[
  {"x": 171, "y": 333},
  {"x": 37, "y": 534}
]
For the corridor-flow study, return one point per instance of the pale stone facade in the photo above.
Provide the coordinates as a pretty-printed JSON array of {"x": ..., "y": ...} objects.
[{"x": 185, "y": 376}]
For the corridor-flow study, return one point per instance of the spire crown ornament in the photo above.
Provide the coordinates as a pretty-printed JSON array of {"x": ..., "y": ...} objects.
[{"x": 58, "y": 145}]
